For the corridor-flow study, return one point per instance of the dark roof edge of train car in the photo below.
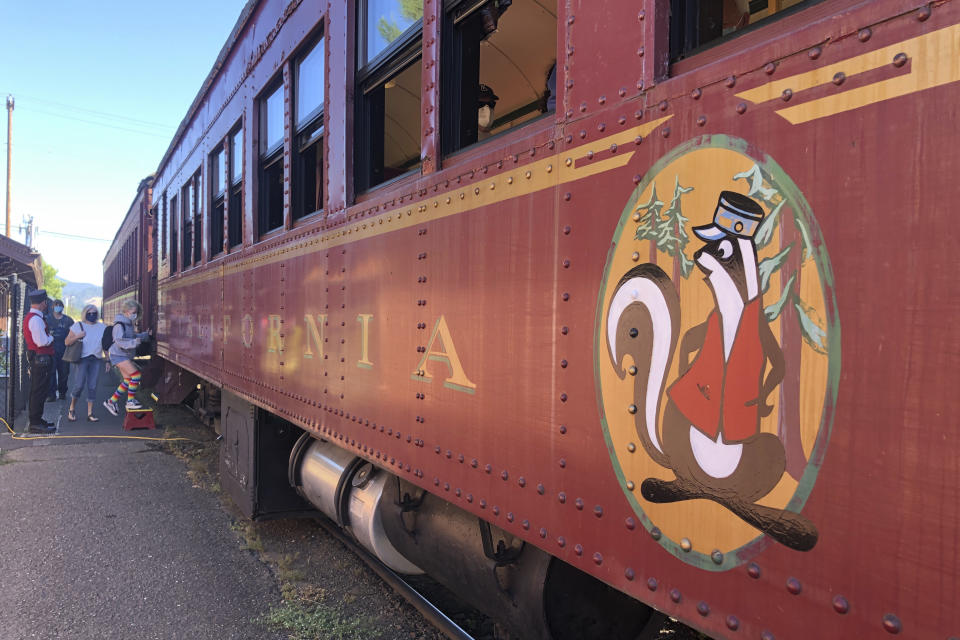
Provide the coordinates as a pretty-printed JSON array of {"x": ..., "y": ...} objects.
[
  {"x": 217, "y": 65},
  {"x": 146, "y": 183}
]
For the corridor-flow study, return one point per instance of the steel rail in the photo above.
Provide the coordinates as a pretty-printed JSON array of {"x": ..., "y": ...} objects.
[{"x": 436, "y": 617}]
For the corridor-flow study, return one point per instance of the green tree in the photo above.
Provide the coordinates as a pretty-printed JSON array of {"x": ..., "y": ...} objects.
[
  {"x": 51, "y": 282},
  {"x": 411, "y": 10}
]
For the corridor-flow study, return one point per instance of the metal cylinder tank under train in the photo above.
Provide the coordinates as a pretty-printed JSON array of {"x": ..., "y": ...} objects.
[{"x": 591, "y": 310}]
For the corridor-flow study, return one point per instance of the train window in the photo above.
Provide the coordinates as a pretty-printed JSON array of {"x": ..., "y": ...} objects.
[
  {"x": 270, "y": 183},
  {"x": 388, "y": 124},
  {"x": 218, "y": 190},
  {"x": 197, "y": 197},
  {"x": 501, "y": 59},
  {"x": 186, "y": 226},
  {"x": 234, "y": 204},
  {"x": 173, "y": 233},
  {"x": 163, "y": 227},
  {"x": 308, "y": 140},
  {"x": 696, "y": 24}
]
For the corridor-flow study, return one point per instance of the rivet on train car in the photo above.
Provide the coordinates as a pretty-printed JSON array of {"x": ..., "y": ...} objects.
[
  {"x": 469, "y": 497},
  {"x": 565, "y": 296},
  {"x": 510, "y": 516},
  {"x": 569, "y": 138},
  {"x": 685, "y": 544},
  {"x": 622, "y": 91},
  {"x": 474, "y": 462},
  {"x": 436, "y": 481},
  {"x": 696, "y": 93},
  {"x": 665, "y": 132},
  {"x": 570, "y": 50},
  {"x": 640, "y": 85},
  {"x": 631, "y": 447},
  {"x": 864, "y": 34},
  {"x": 543, "y": 533},
  {"x": 794, "y": 586},
  {"x": 578, "y": 503},
  {"x": 483, "y": 503},
  {"x": 786, "y": 95},
  {"x": 563, "y": 364},
  {"x": 567, "y": 196},
  {"x": 769, "y": 68},
  {"x": 634, "y": 332},
  {"x": 449, "y": 453},
  {"x": 568, "y": 161},
  {"x": 733, "y": 623},
  {"x": 562, "y": 462},
  {"x": 448, "y": 200},
  {"x": 622, "y": 120},
  {"x": 446, "y": 486},
  {"x": 566, "y": 264},
  {"x": 655, "y": 533},
  {"x": 597, "y": 558},
  {"x": 717, "y": 556},
  {"x": 840, "y": 604},
  {"x": 540, "y": 488},
  {"x": 504, "y": 475},
  {"x": 766, "y": 635},
  {"x": 569, "y": 113},
  {"x": 641, "y": 16},
  {"x": 923, "y": 13},
  {"x": 613, "y": 148},
  {"x": 578, "y": 549},
  {"x": 565, "y": 330},
  {"x": 476, "y": 191},
  {"x": 900, "y": 59},
  {"x": 636, "y": 217},
  {"x": 549, "y": 170},
  {"x": 630, "y": 523},
  {"x": 675, "y": 595},
  {"x": 590, "y": 155},
  {"x": 703, "y": 608},
  {"x": 435, "y": 204},
  {"x": 460, "y": 458},
  {"x": 892, "y": 624},
  {"x": 488, "y": 468},
  {"x": 563, "y": 429},
  {"x": 436, "y": 450},
  {"x": 814, "y": 53},
  {"x": 583, "y": 133},
  {"x": 663, "y": 105},
  {"x": 742, "y": 108},
  {"x": 496, "y": 510},
  {"x": 583, "y": 107},
  {"x": 753, "y": 570},
  {"x": 570, "y": 20},
  {"x": 652, "y": 584},
  {"x": 701, "y": 120},
  {"x": 528, "y": 175},
  {"x": 632, "y": 409},
  {"x": 839, "y": 77},
  {"x": 602, "y": 99}
]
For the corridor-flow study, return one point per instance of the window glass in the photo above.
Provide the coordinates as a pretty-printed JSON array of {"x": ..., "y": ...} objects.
[
  {"x": 273, "y": 121},
  {"x": 695, "y": 24},
  {"x": 309, "y": 83},
  {"x": 236, "y": 157},
  {"x": 219, "y": 172},
  {"x": 401, "y": 130},
  {"x": 386, "y": 20}
]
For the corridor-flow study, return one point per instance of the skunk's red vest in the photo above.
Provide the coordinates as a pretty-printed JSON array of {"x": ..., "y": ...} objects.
[{"x": 28, "y": 336}]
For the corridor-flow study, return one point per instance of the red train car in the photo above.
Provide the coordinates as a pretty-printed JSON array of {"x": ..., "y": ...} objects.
[
  {"x": 129, "y": 270},
  {"x": 546, "y": 299}
]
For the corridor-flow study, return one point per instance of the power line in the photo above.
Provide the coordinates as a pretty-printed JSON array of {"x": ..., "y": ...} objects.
[
  {"x": 72, "y": 236},
  {"x": 102, "y": 124},
  {"x": 95, "y": 112}
]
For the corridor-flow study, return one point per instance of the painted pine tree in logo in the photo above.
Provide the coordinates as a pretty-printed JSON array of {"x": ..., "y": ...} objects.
[
  {"x": 800, "y": 321},
  {"x": 667, "y": 230}
]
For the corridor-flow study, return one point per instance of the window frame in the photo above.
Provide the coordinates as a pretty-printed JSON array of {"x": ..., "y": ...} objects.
[
  {"x": 186, "y": 228},
  {"x": 312, "y": 133},
  {"x": 269, "y": 159},
  {"x": 217, "y": 200},
  {"x": 196, "y": 182},
  {"x": 235, "y": 188},
  {"x": 174, "y": 236},
  {"x": 371, "y": 77}
]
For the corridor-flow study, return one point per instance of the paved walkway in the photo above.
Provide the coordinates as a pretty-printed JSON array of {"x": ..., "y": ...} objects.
[{"x": 107, "y": 538}]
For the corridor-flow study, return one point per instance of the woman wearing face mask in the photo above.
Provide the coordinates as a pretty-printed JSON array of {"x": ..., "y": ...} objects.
[
  {"x": 122, "y": 351},
  {"x": 58, "y": 324},
  {"x": 86, "y": 372}
]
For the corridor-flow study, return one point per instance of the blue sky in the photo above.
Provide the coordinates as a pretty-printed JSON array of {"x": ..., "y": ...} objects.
[{"x": 100, "y": 88}]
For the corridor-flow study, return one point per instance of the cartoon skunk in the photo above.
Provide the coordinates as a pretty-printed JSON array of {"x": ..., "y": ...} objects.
[{"x": 709, "y": 431}]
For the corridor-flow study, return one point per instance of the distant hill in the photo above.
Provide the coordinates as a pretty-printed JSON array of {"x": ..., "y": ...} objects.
[{"x": 78, "y": 294}]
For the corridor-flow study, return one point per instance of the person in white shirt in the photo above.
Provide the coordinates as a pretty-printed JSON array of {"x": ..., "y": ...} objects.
[
  {"x": 40, "y": 354},
  {"x": 86, "y": 371}
]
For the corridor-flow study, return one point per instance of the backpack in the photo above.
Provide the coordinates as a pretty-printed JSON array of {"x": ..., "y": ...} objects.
[{"x": 107, "y": 340}]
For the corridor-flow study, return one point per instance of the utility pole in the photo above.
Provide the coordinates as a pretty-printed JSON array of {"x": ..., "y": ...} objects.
[{"x": 9, "y": 154}]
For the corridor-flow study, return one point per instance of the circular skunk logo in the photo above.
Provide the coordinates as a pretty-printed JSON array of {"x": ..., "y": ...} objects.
[{"x": 718, "y": 353}]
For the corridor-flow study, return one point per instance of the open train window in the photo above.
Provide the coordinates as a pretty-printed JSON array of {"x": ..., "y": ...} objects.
[
  {"x": 388, "y": 89},
  {"x": 218, "y": 190},
  {"x": 270, "y": 183},
  {"x": 308, "y": 131},
  {"x": 499, "y": 68},
  {"x": 697, "y": 24},
  {"x": 195, "y": 195},
  {"x": 173, "y": 232},
  {"x": 235, "y": 201},
  {"x": 186, "y": 225}
]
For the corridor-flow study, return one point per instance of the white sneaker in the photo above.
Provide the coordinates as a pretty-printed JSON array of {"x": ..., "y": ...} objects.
[
  {"x": 133, "y": 405},
  {"x": 111, "y": 407}
]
